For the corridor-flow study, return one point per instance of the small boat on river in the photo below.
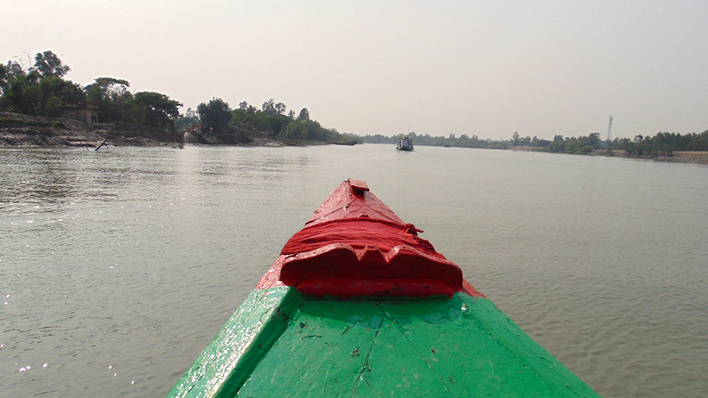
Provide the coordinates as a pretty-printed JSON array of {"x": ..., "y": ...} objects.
[
  {"x": 359, "y": 305},
  {"x": 405, "y": 144}
]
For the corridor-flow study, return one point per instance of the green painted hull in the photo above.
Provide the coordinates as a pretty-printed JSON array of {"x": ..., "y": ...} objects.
[
  {"x": 357, "y": 305},
  {"x": 282, "y": 343}
]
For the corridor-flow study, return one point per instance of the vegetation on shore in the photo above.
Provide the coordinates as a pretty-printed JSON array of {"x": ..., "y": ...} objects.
[
  {"x": 270, "y": 122},
  {"x": 662, "y": 145},
  {"x": 40, "y": 90}
]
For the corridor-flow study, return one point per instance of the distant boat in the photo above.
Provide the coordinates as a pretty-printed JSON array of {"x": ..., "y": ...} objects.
[{"x": 405, "y": 144}]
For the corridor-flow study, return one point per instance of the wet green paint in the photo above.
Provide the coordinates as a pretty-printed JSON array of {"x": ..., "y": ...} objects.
[{"x": 458, "y": 347}]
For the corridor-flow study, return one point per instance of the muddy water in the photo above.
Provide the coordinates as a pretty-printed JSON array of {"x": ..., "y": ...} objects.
[{"x": 117, "y": 267}]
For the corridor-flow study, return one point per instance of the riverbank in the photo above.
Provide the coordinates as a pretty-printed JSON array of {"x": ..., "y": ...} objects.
[
  {"x": 693, "y": 157},
  {"x": 18, "y": 130},
  {"x": 25, "y": 131}
]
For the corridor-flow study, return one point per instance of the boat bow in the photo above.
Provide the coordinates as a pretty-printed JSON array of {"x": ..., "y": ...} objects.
[
  {"x": 355, "y": 245},
  {"x": 415, "y": 328}
]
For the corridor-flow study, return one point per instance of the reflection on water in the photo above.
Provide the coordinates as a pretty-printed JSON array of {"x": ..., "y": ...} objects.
[{"x": 117, "y": 267}]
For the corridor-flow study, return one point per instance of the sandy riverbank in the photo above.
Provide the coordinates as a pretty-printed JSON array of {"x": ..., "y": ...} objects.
[
  {"x": 694, "y": 157},
  {"x": 25, "y": 131},
  {"x": 18, "y": 130}
]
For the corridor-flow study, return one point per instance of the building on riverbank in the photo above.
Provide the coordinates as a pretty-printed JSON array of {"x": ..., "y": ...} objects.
[{"x": 84, "y": 114}]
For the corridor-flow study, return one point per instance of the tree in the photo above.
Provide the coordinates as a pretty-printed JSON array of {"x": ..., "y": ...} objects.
[
  {"x": 245, "y": 115},
  {"x": 38, "y": 90},
  {"x": 22, "y": 94},
  {"x": 3, "y": 77},
  {"x": 296, "y": 130},
  {"x": 48, "y": 64},
  {"x": 315, "y": 131},
  {"x": 49, "y": 102},
  {"x": 14, "y": 69},
  {"x": 214, "y": 115},
  {"x": 271, "y": 108},
  {"x": 20, "y": 89},
  {"x": 160, "y": 109},
  {"x": 515, "y": 138},
  {"x": 280, "y": 108},
  {"x": 594, "y": 140},
  {"x": 304, "y": 115},
  {"x": 111, "y": 98},
  {"x": 274, "y": 124}
]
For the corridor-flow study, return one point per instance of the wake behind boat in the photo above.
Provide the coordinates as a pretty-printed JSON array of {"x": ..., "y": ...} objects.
[{"x": 357, "y": 304}]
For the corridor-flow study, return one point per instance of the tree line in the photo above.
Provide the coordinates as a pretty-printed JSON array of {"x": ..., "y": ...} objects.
[
  {"x": 274, "y": 119},
  {"x": 463, "y": 141},
  {"x": 662, "y": 144},
  {"x": 41, "y": 90}
]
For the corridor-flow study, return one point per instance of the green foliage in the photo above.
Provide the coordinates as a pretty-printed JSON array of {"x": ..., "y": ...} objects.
[
  {"x": 582, "y": 144},
  {"x": 56, "y": 92},
  {"x": 662, "y": 144},
  {"x": 273, "y": 123},
  {"x": 21, "y": 94},
  {"x": 271, "y": 108},
  {"x": 39, "y": 90},
  {"x": 214, "y": 115},
  {"x": 135, "y": 112},
  {"x": 47, "y": 64},
  {"x": 110, "y": 97},
  {"x": 49, "y": 103},
  {"x": 304, "y": 115},
  {"x": 159, "y": 109},
  {"x": 14, "y": 69},
  {"x": 70, "y": 93},
  {"x": 515, "y": 139},
  {"x": 3, "y": 77},
  {"x": 297, "y": 130},
  {"x": 245, "y": 116}
]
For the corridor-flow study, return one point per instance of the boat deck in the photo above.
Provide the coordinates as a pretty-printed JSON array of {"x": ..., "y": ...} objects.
[
  {"x": 438, "y": 347},
  {"x": 358, "y": 305}
]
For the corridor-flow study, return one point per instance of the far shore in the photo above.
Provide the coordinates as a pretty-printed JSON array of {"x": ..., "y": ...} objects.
[
  {"x": 693, "y": 157},
  {"x": 24, "y": 131}
]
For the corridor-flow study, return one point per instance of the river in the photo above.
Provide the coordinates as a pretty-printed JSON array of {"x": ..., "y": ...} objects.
[{"x": 118, "y": 267}]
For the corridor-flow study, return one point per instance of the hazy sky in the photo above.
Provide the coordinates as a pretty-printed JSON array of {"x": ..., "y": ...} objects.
[{"x": 377, "y": 67}]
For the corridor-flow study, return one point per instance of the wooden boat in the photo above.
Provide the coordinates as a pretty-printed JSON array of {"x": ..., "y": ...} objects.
[
  {"x": 405, "y": 144},
  {"x": 357, "y": 304}
]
